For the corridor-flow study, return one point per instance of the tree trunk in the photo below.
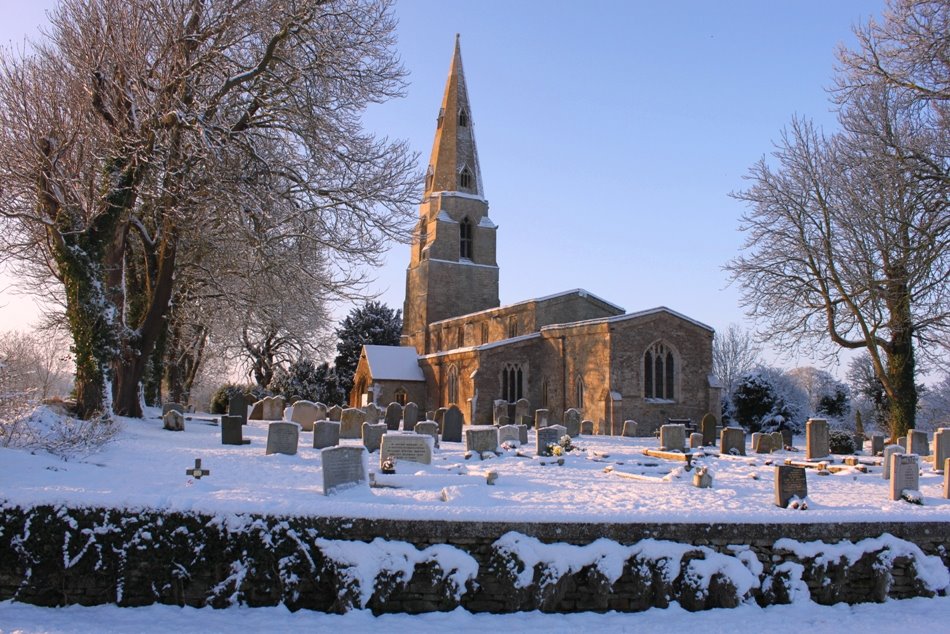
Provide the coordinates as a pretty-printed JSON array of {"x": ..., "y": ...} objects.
[{"x": 902, "y": 390}]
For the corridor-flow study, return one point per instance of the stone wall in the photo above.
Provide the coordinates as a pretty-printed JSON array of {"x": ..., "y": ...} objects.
[{"x": 57, "y": 556}]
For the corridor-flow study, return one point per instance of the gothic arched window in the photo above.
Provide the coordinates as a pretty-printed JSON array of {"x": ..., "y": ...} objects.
[
  {"x": 465, "y": 239},
  {"x": 544, "y": 394},
  {"x": 401, "y": 396},
  {"x": 463, "y": 118},
  {"x": 659, "y": 372},
  {"x": 579, "y": 393},
  {"x": 466, "y": 180},
  {"x": 452, "y": 387},
  {"x": 512, "y": 382}
]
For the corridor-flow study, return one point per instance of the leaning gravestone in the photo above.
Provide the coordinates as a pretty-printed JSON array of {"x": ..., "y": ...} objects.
[
  {"x": 587, "y": 427},
  {"x": 630, "y": 429},
  {"x": 326, "y": 433},
  {"x": 283, "y": 438},
  {"x": 572, "y": 420},
  {"x": 406, "y": 447},
  {"x": 541, "y": 418},
  {"x": 816, "y": 439},
  {"x": 778, "y": 441},
  {"x": 440, "y": 416},
  {"x": 790, "y": 482},
  {"x": 672, "y": 437},
  {"x": 547, "y": 437},
  {"x": 696, "y": 441},
  {"x": 393, "y": 416},
  {"x": 889, "y": 451},
  {"x": 343, "y": 467},
  {"x": 429, "y": 428},
  {"x": 257, "y": 411},
  {"x": 509, "y": 433},
  {"x": 761, "y": 443},
  {"x": 499, "y": 410},
  {"x": 481, "y": 438},
  {"x": 877, "y": 444},
  {"x": 732, "y": 441},
  {"x": 176, "y": 407},
  {"x": 335, "y": 413},
  {"x": 522, "y": 408},
  {"x": 905, "y": 474},
  {"x": 351, "y": 422},
  {"x": 305, "y": 414},
  {"x": 941, "y": 447},
  {"x": 410, "y": 416},
  {"x": 237, "y": 406},
  {"x": 231, "y": 430},
  {"x": 917, "y": 442},
  {"x": 372, "y": 434},
  {"x": 707, "y": 427},
  {"x": 273, "y": 407},
  {"x": 452, "y": 423},
  {"x": 173, "y": 420}
]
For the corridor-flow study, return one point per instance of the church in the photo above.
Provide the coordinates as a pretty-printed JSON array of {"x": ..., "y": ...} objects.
[{"x": 568, "y": 350}]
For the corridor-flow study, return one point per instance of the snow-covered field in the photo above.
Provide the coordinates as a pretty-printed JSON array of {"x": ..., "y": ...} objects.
[{"x": 145, "y": 468}]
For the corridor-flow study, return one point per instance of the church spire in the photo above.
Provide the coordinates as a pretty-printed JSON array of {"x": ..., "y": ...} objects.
[{"x": 453, "y": 166}]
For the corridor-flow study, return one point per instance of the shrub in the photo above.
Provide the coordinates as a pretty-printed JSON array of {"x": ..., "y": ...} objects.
[
  {"x": 841, "y": 441},
  {"x": 222, "y": 396}
]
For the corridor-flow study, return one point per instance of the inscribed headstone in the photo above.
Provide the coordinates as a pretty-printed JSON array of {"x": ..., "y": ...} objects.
[
  {"x": 326, "y": 433},
  {"x": 351, "y": 422},
  {"x": 410, "y": 416},
  {"x": 509, "y": 433},
  {"x": 305, "y": 414},
  {"x": 630, "y": 429},
  {"x": 672, "y": 437},
  {"x": 905, "y": 474},
  {"x": 481, "y": 438},
  {"x": 406, "y": 447},
  {"x": 372, "y": 434},
  {"x": 889, "y": 451},
  {"x": 816, "y": 439},
  {"x": 452, "y": 423},
  {"x": 790, "y": 482},
  {"x": 732, "y": 441},
  {"x": 429, "y": 428},
  {"x": 237, "y": 406},
  {"x": 548, "y": 437},
  {"x": 335, "y": 413},
  {"x": 343, "y": 467},
  {"x": 541, "y": 418},
  {"x": 707, "y": 427},
  {"x": 917, "y": 442},
  {"x": 941, "y": 447},
  {"x": 695, "y": 440},
  {"x": 173, "y": 420},
  {"x": 393, "y": 416},
  {"x": 231, "y": 430},
  {"x": 283, "y": 437}
]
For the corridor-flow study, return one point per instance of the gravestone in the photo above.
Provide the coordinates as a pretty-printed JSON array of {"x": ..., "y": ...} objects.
[
  {"x": 541, "y": 418},
  {"x": 778, "y": 441},
  {"x": 630, "y": 429},
  {"x": 406, "y": 447},
  {"x": 343, "y": 467},
  {"x": 695, "y": 441},
  {"x": 257, "y": 411},
  {"x": 429, "y": 428},
  {"x": 522, "y": 434},
  {"x": 816, "y": 439},
  {"x": 231, "y": 430},
  {"x": 732, "y": 441},
  {"x": 522, "y": 408},
  {"x": 941, "y": 447},
  {"x": 196, "y": 471},
  {"x": 587, "y": 428},
  {"x": 173, "y": 420},
  {"x": 237, "y": 406},
  {"x": 481, "y": 438},
  {"x": 351, "y": 422},
  {"x": 273, "y": 408},
  {"x": 902, "y": 441},
  {"x": 326, "y": 433},
  {"x": 283, "y": 437},
  {"x": 372, "y": 434},
  {"x": 946, "y": 479},
  {"x": 877, "y": 444},
  {"x": 410, "y": 416},
  {"x": 548, "y": 436},
  {"x": 790, "y": 482},
  {"x": 761, "y": 443},
  {"x": 889, "y": 451},
  {"x": 503, "y": 420},
  {"x": 173, "y": 407},
  {"x": 440, "y": 416},
  {"x": 787, "y": 438},
  {"x": 917, "y": 442},
  {"x": 335, "y": 413},
  {"x": 394, "y": 416},
  {"x": 707, "y": 426},
  {"x": 509, "y": 433},
  {"x": 452, "y": 423},
  {"x": 672, "y": 437},
  {"x": 572, "y": 421},
  {"x": 372, "y": 413},
  {"x": 499, "y": 409},
  {"x": 858, "y": 440},
  {"x": 305, "y": 414},
  {"x": 905, "y": 474}
]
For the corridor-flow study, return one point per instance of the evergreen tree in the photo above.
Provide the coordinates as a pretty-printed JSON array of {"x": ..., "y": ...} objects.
[{"x": 374, "y": 323}]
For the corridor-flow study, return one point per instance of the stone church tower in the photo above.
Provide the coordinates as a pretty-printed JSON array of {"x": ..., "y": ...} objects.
[{"x": 452, "y": 270}]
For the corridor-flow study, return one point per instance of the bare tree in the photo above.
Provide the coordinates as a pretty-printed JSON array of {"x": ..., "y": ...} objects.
[
  {"x": 735, "y": 353},
  {"x": 140, "y": 123}
]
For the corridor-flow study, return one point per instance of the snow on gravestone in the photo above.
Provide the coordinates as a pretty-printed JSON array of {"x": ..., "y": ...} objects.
[
  {"x": 173, "y": 420},
  {"x": 547, "y": 437},
  {"x": 630, "y": 429},
  {"x": 672, "y": 437},
  {"x": 429, "y": 428},
  {"x": 351, "y": 422},
  {"x": 272, "y": 407},
  {"x": 305, "y": 414},
  {"x": 732, "y": 441},
  {"x": 790, "y": 482},
  {"x": 406, "y": 447},
  {"x": 889, "y": 451},
  {"x": 481, "y": 438},
  {"x": 509, "y": 433},
  {"x": 282, "y": 437},
  {"x": 452, "y": 423},
  {"x": 335, "y": 413},
  {"x": 816, "y": 439},
  {"x": 695, "y": 440},
  {"x": 168, "y": 407},
  {"x": 326, "y": 433},
  {"x": 941, "y": 447},
  {"x": 541, "y": 418},
  {"x": 905, "y": 474},
  {"x": 372, "y": 434},
  {"x": 343, "y": 467}
]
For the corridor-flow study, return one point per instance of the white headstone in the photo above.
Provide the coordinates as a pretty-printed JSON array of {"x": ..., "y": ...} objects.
[{"x": 406, "y": 447}]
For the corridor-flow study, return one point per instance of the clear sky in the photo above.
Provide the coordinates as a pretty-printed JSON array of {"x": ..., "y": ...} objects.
[{"x": 609, "y": 133}]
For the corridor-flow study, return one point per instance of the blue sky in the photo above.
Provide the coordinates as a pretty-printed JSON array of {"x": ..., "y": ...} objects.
[{"x": 610, "y": 133}]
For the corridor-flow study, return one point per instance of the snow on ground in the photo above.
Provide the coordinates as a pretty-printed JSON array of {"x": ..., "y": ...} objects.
[
  {"x": 145, "y": 468},
  {"x": 892, "y": 617}
]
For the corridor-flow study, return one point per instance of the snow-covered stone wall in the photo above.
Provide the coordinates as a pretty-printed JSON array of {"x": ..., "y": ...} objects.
[{"x": 57, "y": 556}]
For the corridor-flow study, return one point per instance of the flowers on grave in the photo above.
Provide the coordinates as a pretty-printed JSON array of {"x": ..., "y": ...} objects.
[
  {"x": 388, "y": 465},
  {"x": 556, "y": 450},
  {"x": 566, "y": 444}
]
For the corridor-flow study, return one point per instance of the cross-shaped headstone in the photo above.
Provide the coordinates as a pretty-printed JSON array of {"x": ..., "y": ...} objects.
[{"x": 196, "y": 471}]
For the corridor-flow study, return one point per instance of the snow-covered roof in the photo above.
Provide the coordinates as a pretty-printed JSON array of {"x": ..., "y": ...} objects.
[
  {"x": 580, "y": 292},
  {"x": 393, "y": 363},
  {"x": 625, "y": 317}
]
